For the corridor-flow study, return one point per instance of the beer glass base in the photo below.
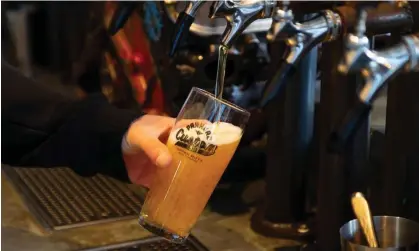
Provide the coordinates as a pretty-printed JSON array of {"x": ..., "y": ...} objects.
[{"x": 161, "y": 231}]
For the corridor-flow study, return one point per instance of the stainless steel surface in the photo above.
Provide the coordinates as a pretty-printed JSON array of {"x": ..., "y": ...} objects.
[
  {"x": 302, "y": 37},
  {"x": 393, "y": 233},
  {"x": 61, "y": 199},
  {"x": 363, "y": 213},
  {"x": 153, "y": 244},
  {"x": 239, "y": 15},
  {"x": 356, "y": 44},
  {"x": 193, "y": 7},
  {"x": 412, "y": 44},
  {"x": 376, "y": 67},
  {"x": 203, "y": 26},
  {"x": 379, "y": 68},
  {"x": 281, "y": 16}
]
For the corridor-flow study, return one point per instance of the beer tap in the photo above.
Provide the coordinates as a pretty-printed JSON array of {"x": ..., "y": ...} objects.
[
  {"x": 183, "y": 24},
  {"x": 376, "y": 68},
  {"x": 300, "y": 38},
  {"x": 239, "y": 14},
  {"x": 281, "y": 17}
]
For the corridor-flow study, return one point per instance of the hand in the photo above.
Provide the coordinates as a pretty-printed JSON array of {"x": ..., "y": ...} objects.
[{"x": 144, "y": 147}]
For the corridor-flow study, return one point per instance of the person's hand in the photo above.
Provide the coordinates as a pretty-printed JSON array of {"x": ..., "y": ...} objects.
[{"x": 144, "y": 147}]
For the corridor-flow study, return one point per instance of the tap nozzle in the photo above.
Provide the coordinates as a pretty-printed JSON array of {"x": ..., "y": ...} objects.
[
  {"x": 183, "y": 24},
  {"x": 239, "y": 14}
]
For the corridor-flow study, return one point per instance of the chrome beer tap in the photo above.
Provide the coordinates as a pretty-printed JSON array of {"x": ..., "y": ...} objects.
[
  {"x": 239, "y": 14},
  {"x": 357, "y": 48},
  {"x": 281, "y": 17},
  {"x": 376, "y": 68},
  {"x": 300, "y": 38},
  {"x": 183, "y": 24}
]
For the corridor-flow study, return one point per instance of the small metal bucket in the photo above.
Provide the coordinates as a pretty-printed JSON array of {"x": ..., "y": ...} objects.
[{"x": 393, "y": 233}]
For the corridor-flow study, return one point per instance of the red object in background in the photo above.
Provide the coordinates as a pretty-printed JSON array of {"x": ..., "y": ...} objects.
[{"x": 133, "y": 48}]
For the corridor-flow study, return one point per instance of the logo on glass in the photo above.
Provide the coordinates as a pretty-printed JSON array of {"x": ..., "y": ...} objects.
[{"x": 195, "y": 137}]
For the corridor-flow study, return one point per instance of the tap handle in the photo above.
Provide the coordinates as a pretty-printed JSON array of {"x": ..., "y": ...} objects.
[
  {"x": 183, "y": 23},
  {"x": 120, "y": 16},
  {"x": 348, "y": 126},
  {"x": 277, "y": 82},
  {"x": 361, "y": 25}
]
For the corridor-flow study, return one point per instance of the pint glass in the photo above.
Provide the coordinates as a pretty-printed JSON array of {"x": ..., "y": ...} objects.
[{"x": 202, "y": 142}]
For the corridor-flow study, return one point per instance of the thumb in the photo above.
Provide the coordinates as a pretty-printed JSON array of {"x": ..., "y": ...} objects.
[{"x": 156, "y": 151}]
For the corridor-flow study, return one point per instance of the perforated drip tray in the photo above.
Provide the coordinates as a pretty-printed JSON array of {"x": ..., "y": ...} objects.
[
  {"x": 60, "y": 199},
  {"x": 153, "y": 244}
]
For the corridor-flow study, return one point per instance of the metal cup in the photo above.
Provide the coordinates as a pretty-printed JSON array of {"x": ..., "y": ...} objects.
[{"x": 393, "y": 233}]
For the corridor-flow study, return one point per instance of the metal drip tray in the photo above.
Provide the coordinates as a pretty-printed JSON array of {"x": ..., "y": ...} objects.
[
  {"x": 60, "y": 199},
  {"x": 153, "y": 244}
]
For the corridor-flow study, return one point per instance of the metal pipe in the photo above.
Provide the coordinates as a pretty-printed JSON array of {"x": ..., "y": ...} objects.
[
  {"x": 283, "y": 214},
  {"x": 337, "y": 92}
]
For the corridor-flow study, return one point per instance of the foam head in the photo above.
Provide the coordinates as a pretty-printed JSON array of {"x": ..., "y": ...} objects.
[{"x": 219, "y": 133}]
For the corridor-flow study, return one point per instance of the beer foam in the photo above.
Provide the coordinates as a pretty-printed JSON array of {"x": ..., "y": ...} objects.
[
  {"x": 225, "y": 133},
  {"x": 222, "y": 133}
]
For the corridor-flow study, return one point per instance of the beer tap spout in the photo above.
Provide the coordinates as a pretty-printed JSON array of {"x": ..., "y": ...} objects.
[
  {"x": 300, "y": 38},
  {"x": 376, "y": 68},
  {"x": 183, "y": 24},
  {"x": 239, "y": 14}
]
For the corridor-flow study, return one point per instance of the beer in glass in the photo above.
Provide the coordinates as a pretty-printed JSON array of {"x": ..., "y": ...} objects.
[{"x": 202, "y": 142}]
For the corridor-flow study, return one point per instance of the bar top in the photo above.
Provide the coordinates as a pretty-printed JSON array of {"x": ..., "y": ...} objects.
[{"x": 21, "y": 231}]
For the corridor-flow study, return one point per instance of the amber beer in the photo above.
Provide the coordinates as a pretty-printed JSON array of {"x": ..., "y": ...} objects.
[{"x": 201, "y": 151}]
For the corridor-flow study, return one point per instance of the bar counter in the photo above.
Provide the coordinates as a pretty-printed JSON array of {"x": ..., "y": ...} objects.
[{"x": 21, "y": 231}]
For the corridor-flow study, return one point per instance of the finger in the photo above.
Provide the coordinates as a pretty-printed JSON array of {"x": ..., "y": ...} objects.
[
  {"x": 140, "y": 169},
  {"x": 161, "y": 124},
  {"x": 165, "y": 135},
  {"x": 156, "y": 151},
  {"x": 161, "y": 120},
  {"x": 146, "y": 177}
]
